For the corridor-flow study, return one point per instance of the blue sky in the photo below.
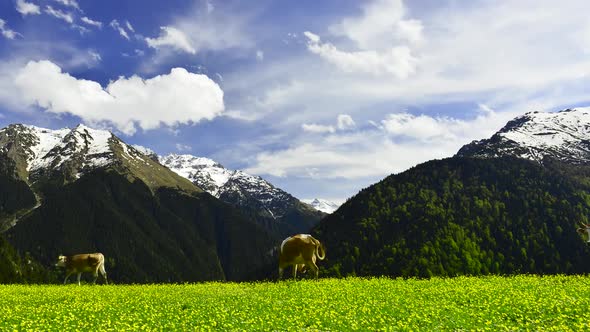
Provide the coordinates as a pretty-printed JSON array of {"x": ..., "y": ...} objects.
[{"x": 322, "y": 98}]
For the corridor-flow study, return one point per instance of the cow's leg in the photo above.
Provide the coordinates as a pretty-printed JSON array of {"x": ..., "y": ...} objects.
[
  {"x": 280, "y": 273},
  {"x": 68, "y": 274},
  {"x": 294, "y": 271},
  {"x": 95, "y": 276},
  {"x": 79, "y": 275},
  {"x": 315, "y": 268},
  {"x": 103, "y": 272}
]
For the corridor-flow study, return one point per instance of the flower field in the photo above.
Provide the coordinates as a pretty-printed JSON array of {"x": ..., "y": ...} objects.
[{"x": 550, "y": 303}]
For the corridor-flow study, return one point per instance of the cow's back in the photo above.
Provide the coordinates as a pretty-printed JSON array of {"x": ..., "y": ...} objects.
[
  {"x": 296, "y": 246},
  {"x": 85, "y": 262}
]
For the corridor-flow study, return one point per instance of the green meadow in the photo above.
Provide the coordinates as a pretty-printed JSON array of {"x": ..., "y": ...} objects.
[{"x": 549, "y": 303}]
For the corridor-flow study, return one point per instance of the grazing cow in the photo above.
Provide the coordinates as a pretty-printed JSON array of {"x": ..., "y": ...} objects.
[
  {"x": 83, "y": 263},
  {"x": 300, "y": 250},
  {"x": 585, "y": 229}
]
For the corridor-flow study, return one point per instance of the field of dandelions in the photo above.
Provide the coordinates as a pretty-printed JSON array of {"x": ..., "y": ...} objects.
[{"x": 548, "y": 303}]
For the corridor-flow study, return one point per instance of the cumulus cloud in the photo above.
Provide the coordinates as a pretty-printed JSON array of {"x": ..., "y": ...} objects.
[
  {"x": 6, "y": 31},
  {"x": 179, "y": 97},
  {"x": 91, "y": 22},
  {"x": 345, "y": 122},
  {"x": 397, "y": 61},
  {"x": 59, "y": 14},
  {"x": 27, "y": 8},
  {"x": 173, "y": 38}
]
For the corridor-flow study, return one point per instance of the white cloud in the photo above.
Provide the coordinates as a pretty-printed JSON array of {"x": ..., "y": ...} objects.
[
  {"x": 259, "y": 55},
  {"x": 179, "y": 97},
  {"x": 115, "y": 25},
  {"x": 394, "y": 146},
  {"x": 59, "y": 14},
  {"x": 6, "y": 31},
  {"x": 27, "y": 8},
  {"x": 397, "y": 61},
  {"x": 316, "y": 128},
  {"x": 95, "y": 56},
  {"x": 345, "y": 122},
  {"x": 383, "y": 23},
  {"x": 129, "y": 26},
  {"x": 183, "y": 147},
  {"x": 384, "y": 39},
  {"x": 171, "y": 37},
  {"x": 229, "y": 26},
  {"x": 92, "y": 22},
  {"x": 69, "y": 3},
  {"x": 82, "y": 30}
]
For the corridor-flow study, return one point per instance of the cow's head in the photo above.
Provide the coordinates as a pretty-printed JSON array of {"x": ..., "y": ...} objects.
[{"x": 61, "y": 261}]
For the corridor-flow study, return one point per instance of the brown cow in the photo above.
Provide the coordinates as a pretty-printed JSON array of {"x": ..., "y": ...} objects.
[
  {"x": 300, "y": 250},
  {"x": 83, "y": 263}
]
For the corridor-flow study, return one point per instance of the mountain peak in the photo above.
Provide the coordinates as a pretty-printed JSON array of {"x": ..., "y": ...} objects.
[
  {"x": 70, "y": 153},
  {"x": 563, "y": 135},
  {"x": 237, "y": 187},
  {"x": 323, "y": 205}
]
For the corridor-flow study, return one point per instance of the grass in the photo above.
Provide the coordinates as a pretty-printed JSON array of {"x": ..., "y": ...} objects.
[{"x": 551, "y": 303}]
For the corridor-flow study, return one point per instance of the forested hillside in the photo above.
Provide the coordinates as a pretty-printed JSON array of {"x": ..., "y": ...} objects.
[
  {"x": 462, "y": 216},
  {"x": 146, "y": 237}
]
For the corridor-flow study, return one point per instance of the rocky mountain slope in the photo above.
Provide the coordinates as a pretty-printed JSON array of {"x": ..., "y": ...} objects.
[
  {"x": 563, "y": 136},
  {"x": 273, "y": 208}
]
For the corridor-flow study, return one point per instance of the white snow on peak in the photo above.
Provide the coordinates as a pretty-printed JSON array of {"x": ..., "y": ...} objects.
[
  {"x": 47, "y": 139},
  {"x": 51, "y": 148},
  {"x": 322, "y": 205},
  {"x": 563, "y": 135},
  {"x": 198, "y": 169},
  {"x": 144, "y": 150},
  {"x": 552, "y": 129}
]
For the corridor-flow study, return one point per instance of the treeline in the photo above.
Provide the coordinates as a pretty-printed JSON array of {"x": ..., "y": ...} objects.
[{"x": 462, "y": 216}]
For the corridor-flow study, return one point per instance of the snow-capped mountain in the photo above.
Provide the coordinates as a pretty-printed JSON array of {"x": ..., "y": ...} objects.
[
  {"x": 223, "y": 183},
  {"x": 323, "y": 205},
  {"x": 563, "y": 135},
  {"x": 81, "y": 189},
  {"x": 40, "y": 153}
]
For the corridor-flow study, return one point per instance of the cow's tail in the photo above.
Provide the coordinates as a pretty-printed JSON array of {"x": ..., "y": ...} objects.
[{"x": 320, "y": 251}]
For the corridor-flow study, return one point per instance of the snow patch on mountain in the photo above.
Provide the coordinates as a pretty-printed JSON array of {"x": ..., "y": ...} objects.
[
  {"x": 563, "y": 135},
  {"x": 75, "y": 151},
  {"x": 204, "y": 172},
  {"x": 51, "y": 148},
  {"x": 322, "y": 205},
  {"x": 234, "y": 186}
]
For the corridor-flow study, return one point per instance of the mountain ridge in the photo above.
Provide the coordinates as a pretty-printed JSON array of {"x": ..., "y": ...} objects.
[
  {"x": 85, "y": 190},
  {"x": 273, "y": 207},
  {"x": 563, "y": 135}
]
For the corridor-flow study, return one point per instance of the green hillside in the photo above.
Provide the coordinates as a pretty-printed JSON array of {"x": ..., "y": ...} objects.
[
  {"x": 163, "y": 236},
  {"x": 462, "y": 216}
]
